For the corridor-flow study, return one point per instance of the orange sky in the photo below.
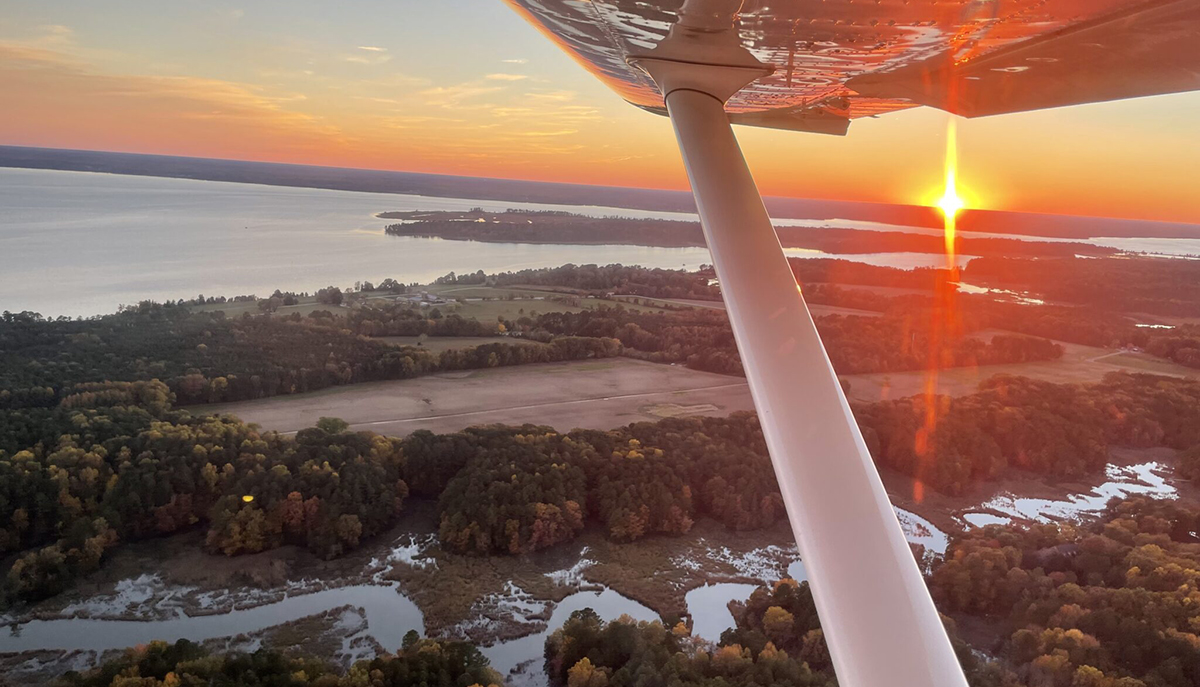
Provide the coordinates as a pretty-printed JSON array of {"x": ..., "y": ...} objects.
[{"x": 466, "y": 87}]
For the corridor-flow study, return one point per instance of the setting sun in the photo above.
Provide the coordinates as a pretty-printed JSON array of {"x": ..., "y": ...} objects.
[{"x": 951, "y": 203}]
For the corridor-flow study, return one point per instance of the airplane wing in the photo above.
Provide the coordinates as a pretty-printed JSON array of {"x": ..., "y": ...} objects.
[
  {"x": 814, "y": 65},
  {"x": 838, "y": 60}
]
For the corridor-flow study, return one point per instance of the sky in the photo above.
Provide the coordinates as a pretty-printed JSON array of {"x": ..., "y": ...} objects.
[{"x": 467, "y": 87}]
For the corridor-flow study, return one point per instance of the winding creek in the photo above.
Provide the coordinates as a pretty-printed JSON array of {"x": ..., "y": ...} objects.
[{"x": 389, "y": 614}]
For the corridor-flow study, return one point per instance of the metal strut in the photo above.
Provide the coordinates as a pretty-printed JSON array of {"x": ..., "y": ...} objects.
[{"x": 876, "y": 613}]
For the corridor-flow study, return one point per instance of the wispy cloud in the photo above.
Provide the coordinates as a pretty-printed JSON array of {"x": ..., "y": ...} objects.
[
  {"x": 517, "y": 60},
  {"x": 139, "y": 110},
  {"x": 453, "y": 96},
  {"x": 370, "y": 54},
  {"x": 506, "y": 77},
  {"x": 556, "y": 132},
  {"x": 552, "y": 96}
]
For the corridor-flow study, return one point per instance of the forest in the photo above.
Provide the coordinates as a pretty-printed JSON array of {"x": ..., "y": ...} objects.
[
  {"x": 1162, "y": 286},
  {"x": 113, "y": 462},
  {"x": 703, "y": 339},
  {"x": 1106, "y": 603},
  {"x": 417, "y": 663},
  {"x": 1109, "y": 603},
  {"x": 622, "y": 279},
  {"x": 1016, "y": 422},
  {"x": 204, "y": 357},
  {"x": 1079, "y": 324}
]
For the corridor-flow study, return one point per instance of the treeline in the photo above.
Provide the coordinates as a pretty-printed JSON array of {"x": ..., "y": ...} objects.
[
  {"x": 113, "y": 463},
  {"x": 185, "y": 664},
  {"x": 703, "y": 339},
  {"x": 208, "y": 358},
  {"x": 1180, "y": 344},
  {"x": 1084, "y": 325},
  {"x": 91, "y": 474},
  {"x": 520, "y": 489},
  {"x": 620, "y": 279},
  {"x": 833, "y": 271},
  {"x": 1162, "y": 286},
  {"x": 1052, "y": 429},
  {"x": 1111, "y": 603},
  {"x": 776, "y": 640}
]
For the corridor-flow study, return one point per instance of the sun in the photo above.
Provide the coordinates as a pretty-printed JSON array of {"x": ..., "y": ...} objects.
[{"x": 950, "y": 204}]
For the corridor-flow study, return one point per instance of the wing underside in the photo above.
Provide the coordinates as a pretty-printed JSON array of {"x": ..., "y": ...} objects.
[{"x": 838, "y": 60}]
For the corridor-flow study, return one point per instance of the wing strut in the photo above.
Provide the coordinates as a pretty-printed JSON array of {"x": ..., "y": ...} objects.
[{"x": 878, "y": 618}]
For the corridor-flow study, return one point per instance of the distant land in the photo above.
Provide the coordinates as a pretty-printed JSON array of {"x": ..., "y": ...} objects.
[
  {"x": 376, "y": 181},
  {"x": 518, "y": 226}
]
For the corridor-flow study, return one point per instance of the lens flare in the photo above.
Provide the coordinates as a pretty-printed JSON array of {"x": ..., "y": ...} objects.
[
  {"x": 944, "y": 324},
  {"x": 950, "y": 203}
]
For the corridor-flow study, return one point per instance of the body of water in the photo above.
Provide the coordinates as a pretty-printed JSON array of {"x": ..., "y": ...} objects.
[
  {"x": 79, "y": 243},
  {"x": 389, "y": 614},
  {"x": 1122, "y": 481},
  {"x": 75, "y": 243}
]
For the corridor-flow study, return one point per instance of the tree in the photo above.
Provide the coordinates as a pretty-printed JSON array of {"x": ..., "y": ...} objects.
[
  {"x": 778, "y": 623},
  {"x": 332, "y": 425}
]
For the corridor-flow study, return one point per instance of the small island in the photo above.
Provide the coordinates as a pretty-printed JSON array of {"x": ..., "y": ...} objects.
[{"x": 555, "y": 227}]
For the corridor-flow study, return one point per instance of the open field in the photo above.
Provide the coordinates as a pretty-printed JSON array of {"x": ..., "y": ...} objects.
[
  {"x": 608, "y": 393},
  {"x": 597, "y": 394}
]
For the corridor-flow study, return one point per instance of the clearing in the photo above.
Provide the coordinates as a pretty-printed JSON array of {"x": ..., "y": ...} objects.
[
  {"x": 599, "y": 394},
  {"x": 602, "y": 394}
]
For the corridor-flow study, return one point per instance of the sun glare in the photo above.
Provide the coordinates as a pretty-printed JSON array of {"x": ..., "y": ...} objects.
[{"x": 950, "y": 203}]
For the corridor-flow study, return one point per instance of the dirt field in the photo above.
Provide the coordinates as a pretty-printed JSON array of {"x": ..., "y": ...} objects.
[
  {"x": 609, "y": 393},
  {"x": 597, "y": 395}
]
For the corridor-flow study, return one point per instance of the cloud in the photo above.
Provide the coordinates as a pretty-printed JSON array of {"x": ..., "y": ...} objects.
[
  {"x": 184, "y": 114},
  {"x": 56, "y": 34},
  {"x": 552, "y": 96},
  {"x": 557, "y": 132},
  {"x": 518, "y": 60},
  {"x": 505, "y": 77},
  {"x": 453, "y": 96},
  {"x": 371, "y": 55},
  {"x": 512, "y": 111}
]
